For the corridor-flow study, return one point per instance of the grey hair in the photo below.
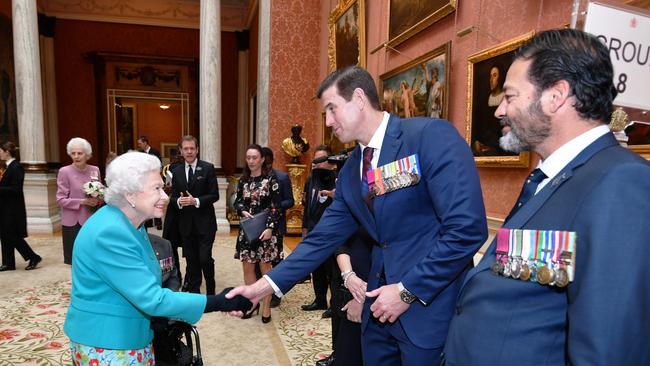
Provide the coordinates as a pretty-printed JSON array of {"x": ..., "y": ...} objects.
[
  {"x": 125, "y": 175},
  {"x": 78, "y": 141}
]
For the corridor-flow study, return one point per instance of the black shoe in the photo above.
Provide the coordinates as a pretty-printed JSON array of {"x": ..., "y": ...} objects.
[
  {"x": 327, "y": 314},
  {"x": 329, "y": 361},
  {"x": 314, "y": 306},
  {"x": 275, "y": 301},
  {"x": 33, "y": 263},
  {"x": 5, "y": 267}
]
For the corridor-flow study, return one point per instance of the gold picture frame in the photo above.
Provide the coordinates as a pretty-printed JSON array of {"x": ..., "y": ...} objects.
[
  {"x": 416, "y": 79},
  {"x": 347, "y": 35},
  {"x": 486, "y": 73},
  {"x": 409, "y": 17}
]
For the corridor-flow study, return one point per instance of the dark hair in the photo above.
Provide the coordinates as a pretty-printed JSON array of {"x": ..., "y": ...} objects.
[
  {"x": 189, "y": 138},
  {"x": 323, "y": 148},
  {"x": 347, "y": 80},
  {"x": 265, "y": 167},
  {"x": 267, "y": 153},
  {"x": 580, "y": 59},
  {"x": 9, "y": 147},
  {"x": 144, "y": 139}
]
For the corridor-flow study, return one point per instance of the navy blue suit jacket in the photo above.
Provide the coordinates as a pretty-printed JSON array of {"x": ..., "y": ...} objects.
[
  {"x": 427, "y": 233},
  {"x": 601, "y": 318}
]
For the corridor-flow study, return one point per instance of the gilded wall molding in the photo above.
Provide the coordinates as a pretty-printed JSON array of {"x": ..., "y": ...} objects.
[{"x": 178, "y": 13}]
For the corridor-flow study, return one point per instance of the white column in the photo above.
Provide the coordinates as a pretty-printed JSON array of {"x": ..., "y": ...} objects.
[
  {"x": 40, "y": 185},
  {"x": 29, "y": 96},
  {"x": 263, "y": 72},
  {"x": 210, "y": 99},
  {"x": 210, "y": 83}
]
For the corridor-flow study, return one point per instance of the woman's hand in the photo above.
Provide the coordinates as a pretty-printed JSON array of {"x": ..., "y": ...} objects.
[
  {"x": 91, "y": 202},
  {"x": 246, "y": 214},
  {"x": 353, "y": 309},
  {"x": 266, "y": 234},
  {"x": 357, "y": 288}
]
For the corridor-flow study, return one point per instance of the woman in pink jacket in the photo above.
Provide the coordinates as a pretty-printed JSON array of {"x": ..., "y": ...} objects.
[{"x": 74, "y": 202}]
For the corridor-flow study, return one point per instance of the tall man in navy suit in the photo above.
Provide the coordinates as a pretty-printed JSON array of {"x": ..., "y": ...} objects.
[
  {"x": 194, "y": 191},
  {"x": 558, "y": 99},
  {"x": 426, "y": 213}
]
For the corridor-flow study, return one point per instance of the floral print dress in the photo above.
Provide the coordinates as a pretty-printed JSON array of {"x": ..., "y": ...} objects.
[{"x": 256, "y": 194}]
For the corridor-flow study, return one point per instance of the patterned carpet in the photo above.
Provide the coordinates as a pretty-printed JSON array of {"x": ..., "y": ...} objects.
[{"x": 33, "y": 306}]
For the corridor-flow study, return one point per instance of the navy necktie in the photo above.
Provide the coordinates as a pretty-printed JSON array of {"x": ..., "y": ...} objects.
[
  {"x": 190, "y": 174},
  {"x": 367, "y": 165},
  {"x": 528, "y": 190}
]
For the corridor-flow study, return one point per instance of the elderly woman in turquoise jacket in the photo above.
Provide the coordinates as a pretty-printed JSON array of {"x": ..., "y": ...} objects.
[{"x": 116, "y": 279}]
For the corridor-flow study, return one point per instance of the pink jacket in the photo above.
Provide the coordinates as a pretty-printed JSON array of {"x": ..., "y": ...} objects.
[{"x": 69, "y": 193}]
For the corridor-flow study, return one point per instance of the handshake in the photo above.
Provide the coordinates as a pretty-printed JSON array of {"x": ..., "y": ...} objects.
[{"x": 219, "y": 302}]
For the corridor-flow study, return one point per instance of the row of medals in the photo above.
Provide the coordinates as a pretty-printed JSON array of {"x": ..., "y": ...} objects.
[
  {"x": 396, "y": 182},
  {"x": 517, "y": 268}
]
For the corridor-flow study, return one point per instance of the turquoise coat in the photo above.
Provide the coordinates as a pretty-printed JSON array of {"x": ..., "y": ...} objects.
[{"x": 116, "y": 286}]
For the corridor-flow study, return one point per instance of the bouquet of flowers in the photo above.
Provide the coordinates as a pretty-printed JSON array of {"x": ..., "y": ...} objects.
[{"x": 94, "y": 189}]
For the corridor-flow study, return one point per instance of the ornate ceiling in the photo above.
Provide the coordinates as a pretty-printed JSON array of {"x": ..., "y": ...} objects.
[{"x": 172, "y": 13}]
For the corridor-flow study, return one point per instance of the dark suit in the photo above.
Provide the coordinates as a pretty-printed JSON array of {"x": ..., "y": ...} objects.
[
  {"x": 154, "y": 152},
  {"x": 286, "y": 197},
  {"x": 197, "y": 225},
  {"x": 598, "y": 319},
  {"x": 427, "y": 235},
  {"x": 13, "y": 216},
  {"x": 313, "y": 211}
]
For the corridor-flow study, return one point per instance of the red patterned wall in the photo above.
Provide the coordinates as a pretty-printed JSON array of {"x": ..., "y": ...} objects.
[{"x": 294, "y": 60}]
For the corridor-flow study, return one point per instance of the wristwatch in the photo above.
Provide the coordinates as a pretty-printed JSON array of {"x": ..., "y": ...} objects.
[{"x": 406, "y": 296}]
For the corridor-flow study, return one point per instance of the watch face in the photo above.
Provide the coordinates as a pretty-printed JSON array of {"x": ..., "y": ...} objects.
[{"x": 406, "y": 296}]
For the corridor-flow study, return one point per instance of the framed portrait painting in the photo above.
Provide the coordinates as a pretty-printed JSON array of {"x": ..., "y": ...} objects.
[
  {"x": 347, "y": 35},
  {"x": 419, "y": 87},
  {"x": 408, "y": 17},
  {"x": 485, "y": 77}
]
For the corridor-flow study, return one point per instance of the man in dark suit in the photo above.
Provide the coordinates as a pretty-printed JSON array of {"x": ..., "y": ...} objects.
[
  {"x": 315, "y": 200},
  {"x": 13, "y": 216},
  {"x": 427, "y": 215},
  {"x": 558, "y": 100},
  {"x": 143, "y": 145},
  {"x": 286, "y": 202},
  {"x": 194, "y": 191}
]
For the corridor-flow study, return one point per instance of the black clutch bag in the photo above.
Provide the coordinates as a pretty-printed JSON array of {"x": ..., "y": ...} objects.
[
  {"x": 254, "y": 226},
  {"x": 343, "y": 296}
]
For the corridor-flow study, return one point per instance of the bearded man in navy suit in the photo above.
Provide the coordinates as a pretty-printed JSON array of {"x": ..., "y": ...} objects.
[
  {"x": 558, "y": 100},
  {"x": 428, "y": 222}
]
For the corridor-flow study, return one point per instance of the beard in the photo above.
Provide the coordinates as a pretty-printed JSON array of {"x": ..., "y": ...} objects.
[{"x": 527, "y": 130}]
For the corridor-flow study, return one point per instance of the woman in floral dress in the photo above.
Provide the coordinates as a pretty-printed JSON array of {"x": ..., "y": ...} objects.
[{"x": 258, "y": 190}]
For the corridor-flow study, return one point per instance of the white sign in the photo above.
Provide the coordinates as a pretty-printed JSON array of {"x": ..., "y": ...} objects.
[{"x": 627, "y": 36}]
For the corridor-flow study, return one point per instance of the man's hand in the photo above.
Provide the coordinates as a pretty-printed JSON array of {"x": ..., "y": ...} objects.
[
  {"x": 254, "y": 292},
  {"x": 186, "y": 200},
  {"x": 388, "y": 306},
  {"x": 353, "y": 309},
  {"x": 247, "y": 214},
  {"x": 327, "y": 193}
]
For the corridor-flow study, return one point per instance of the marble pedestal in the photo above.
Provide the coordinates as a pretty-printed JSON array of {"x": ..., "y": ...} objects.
[{"x": 40, "y": 200}]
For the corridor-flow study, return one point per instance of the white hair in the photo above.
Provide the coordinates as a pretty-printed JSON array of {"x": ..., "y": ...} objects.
[
  {"x": 83, "y": 143},
  {"x": 125, "y": 174}
]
